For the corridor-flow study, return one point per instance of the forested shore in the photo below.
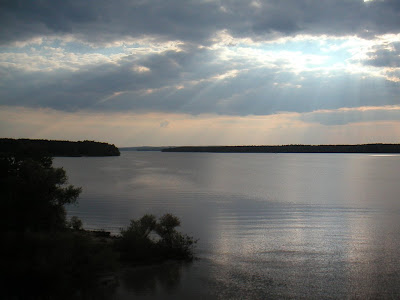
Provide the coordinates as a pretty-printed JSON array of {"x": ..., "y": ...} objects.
[
  {"x": 58, "y": 148},
  {"x": 364, "y": 148}
]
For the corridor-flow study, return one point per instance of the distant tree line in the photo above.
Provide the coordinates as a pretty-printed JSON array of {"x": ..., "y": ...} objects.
[
  {"x": 365, "y": 148},
  {"x": 143, "y": 148},
  {"x": 58, "y": 148}
]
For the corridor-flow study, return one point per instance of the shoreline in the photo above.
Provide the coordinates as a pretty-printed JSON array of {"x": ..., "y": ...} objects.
[{"x": 363, "y": 148}]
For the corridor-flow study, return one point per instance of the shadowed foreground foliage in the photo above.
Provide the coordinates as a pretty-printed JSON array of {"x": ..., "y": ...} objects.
[
  {"x": 149, "y": 239},
  {"x": 33, "y": 193},
  {"x": 46, "y": 256},
  {"x": 58, "y": 265}
]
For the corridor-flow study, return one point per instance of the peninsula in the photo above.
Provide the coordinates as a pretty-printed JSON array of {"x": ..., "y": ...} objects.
[{"x": 58, "y": 148}]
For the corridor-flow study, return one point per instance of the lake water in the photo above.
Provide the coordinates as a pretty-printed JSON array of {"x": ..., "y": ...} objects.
[{"x": 269, "y": 225}]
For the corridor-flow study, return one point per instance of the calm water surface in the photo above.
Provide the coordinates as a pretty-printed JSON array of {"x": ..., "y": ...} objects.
[{"x": 269, "y": 225}]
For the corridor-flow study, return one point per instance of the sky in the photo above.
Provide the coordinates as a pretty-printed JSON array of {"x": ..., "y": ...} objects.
[{"x": 204, "y": 72}]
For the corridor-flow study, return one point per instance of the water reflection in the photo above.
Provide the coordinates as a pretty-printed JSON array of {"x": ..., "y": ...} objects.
[
  {"x": 373, "y": 251},
  {"x": 151, "y": 281}
]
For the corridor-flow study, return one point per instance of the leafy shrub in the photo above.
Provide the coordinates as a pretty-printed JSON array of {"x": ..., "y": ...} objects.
[
  {"x": 172, "y": 243},
  {"x": 147, "y": 239},
  {"x": 75, "y": 223}
]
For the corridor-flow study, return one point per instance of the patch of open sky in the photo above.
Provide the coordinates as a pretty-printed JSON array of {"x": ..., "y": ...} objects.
[
  {"x": 314, "y": 47},
  {"x": 333, "y": 51}
]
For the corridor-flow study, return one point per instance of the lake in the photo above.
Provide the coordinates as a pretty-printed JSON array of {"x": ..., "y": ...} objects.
[{"x": 269, "y": 225}]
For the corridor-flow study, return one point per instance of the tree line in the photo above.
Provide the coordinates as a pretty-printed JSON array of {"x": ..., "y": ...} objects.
[
  {"x": 58, "y": 148},
  {"x": 364, "y": 148}
]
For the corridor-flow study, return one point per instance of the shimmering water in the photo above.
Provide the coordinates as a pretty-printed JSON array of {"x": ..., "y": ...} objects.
[{"x": 269, "y": 225}]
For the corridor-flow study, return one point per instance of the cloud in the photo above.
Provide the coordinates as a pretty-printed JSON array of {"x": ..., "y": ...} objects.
[
  {"x": 196, "y": 81},
  {"x": 100, "y": 22},
  {"x": 345, "y": 116},
  {"x": 314, "y": 64},
  {"x": 386, "y": 55}
]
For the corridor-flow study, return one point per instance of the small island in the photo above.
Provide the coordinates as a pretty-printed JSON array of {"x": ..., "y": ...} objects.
[
  {"x": 364, "y": 148},
  {"x": 56, "y": 148}
]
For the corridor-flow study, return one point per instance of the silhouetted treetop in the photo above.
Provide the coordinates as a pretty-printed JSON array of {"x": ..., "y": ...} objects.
[
  {"x": 33, "y": 193},
  {"x": 149, "y": 239}
]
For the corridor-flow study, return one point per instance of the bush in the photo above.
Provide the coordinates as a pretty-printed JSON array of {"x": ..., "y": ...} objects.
[
  {"x": 75, "y": 223},
  {"x": 147, "y": 239}
]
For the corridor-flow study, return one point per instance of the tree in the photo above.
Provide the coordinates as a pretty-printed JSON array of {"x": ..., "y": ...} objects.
[
  {"x": 33, "y": 193},
  {"x": 148, "y": 239},
  {"x": 75, "y": 223},
  {"x": 173, "y": 244}
]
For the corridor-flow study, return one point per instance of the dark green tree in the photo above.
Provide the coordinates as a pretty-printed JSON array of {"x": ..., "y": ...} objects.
[
  {"x": 135, "y": 243},
  {"x": 148, "y": 239},
  {"x": 39, "y": 251},
  {"x": 172, "y": 243},
  {"x": 75, "y": 223},
  {"x": 33, "y": 193}
]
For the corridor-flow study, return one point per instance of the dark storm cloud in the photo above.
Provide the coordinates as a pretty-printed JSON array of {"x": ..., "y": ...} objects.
[
  {"x": 195, "y": 21},
  {"x": 103, "y": 20},
  {"x": 154, "y": 82}
]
